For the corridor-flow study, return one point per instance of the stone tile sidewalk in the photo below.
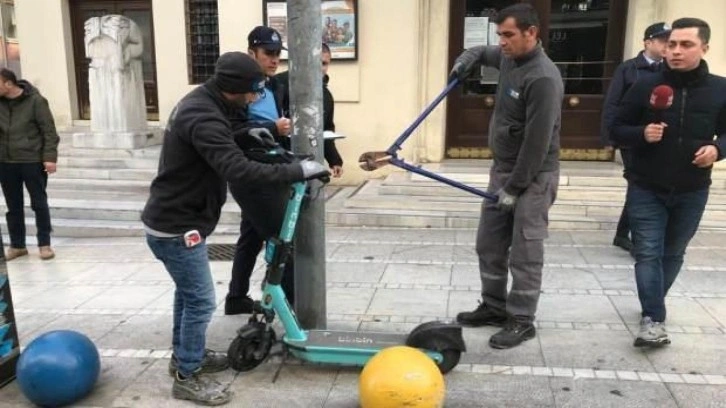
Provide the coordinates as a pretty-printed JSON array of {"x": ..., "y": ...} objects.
[{"x": 390, "y": 280}]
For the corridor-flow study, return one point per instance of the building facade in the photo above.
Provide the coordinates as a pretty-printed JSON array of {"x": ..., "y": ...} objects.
[{"x": 404, "y": 50}]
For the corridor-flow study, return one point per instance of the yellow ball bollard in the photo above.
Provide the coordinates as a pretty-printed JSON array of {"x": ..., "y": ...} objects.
[{"x": 401, "y": 377}]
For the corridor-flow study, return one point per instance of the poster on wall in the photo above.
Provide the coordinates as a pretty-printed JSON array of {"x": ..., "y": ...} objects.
[
  {"x": 339, "y": 22},
  {"x": 476, "y": 31},
  {"x": 9, "y": 346}
]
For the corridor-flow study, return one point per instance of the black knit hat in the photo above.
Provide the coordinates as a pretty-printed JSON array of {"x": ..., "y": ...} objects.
[{"x": 238, "y": 73}]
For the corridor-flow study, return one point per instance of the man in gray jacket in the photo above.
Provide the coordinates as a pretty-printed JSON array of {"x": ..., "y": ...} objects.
[
  {"x": 28, "y": 154},
  {"x": 524, "y": 136}
]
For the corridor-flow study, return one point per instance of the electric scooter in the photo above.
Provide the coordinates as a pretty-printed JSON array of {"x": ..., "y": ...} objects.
[{"x": 441, "y": 341}]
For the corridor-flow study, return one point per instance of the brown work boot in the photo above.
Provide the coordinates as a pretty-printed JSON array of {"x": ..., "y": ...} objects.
[
  {"x": 46, "y": 253},
  {"x": 13, "y": 253}
]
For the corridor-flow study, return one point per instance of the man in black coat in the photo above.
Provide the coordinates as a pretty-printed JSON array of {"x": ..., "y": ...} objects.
[
  {"x": 646, "y": 63},
  {"x": 673, "y": 153},
  {"x": 198, "y": 157},
  {"x": 263, "y": 208}
]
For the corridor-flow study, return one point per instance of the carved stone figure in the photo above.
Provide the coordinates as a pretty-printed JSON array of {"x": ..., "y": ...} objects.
[{"x": 114, "y": 44}]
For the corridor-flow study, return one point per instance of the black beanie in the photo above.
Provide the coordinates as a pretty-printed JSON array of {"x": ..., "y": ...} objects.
[{"x": 238, "y": 73}]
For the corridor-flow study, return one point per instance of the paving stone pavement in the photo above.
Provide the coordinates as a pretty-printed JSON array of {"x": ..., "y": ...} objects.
[{"x": 114, "y": 291}]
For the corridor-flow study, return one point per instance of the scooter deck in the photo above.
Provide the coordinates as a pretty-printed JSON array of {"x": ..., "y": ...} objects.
[
  {"x": 349, "y": 339},
  {"x": 346, "y": 347}
]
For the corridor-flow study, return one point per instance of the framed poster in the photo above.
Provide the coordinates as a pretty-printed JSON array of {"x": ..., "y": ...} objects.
[{"x": 339, "y": 23}]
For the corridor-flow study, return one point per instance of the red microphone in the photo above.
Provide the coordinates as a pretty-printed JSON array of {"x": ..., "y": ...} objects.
[{"x": 661, "y": 99}]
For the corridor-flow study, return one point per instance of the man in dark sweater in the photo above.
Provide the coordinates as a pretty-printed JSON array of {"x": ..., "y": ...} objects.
[
  {"x": 524, "y": 137},
  {"x": 330, "y": 151},
  {"x": 673, "y": 153},
  {"x": 263, "y": 209},
  {"x": 198, "y": 157},
  {"x": 646, "y": 63},
  {"x": 28, "y": 154}
]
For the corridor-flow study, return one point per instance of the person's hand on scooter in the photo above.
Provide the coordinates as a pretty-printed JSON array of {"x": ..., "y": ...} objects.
[
  {"x": 314, "y": 170},
  {"x": 263, "y": 137},
  {"x": 506, "y": 201},
  {"x": 465, "y": 63}
]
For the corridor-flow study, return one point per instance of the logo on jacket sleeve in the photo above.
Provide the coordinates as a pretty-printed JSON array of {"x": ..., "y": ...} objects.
[{"x": 514, "y": 94}]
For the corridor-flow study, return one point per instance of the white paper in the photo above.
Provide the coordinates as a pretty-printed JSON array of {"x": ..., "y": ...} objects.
[
  {"x": 476, "y": 31},
  {"x": 327, "y": 134},
  {"x": 332, "y": 135},
  {"x": 493, "y": 36}
]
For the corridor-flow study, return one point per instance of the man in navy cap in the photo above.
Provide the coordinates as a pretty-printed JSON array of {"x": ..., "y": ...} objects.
[
  {"x": 646, "y": 63},
  {"x": 262, "y": 207}
]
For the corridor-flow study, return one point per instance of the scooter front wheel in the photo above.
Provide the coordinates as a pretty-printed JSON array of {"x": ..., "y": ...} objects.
[{"x": 251, "y": 347}]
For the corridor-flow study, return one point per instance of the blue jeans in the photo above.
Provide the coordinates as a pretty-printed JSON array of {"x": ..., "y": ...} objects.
[
  {"x": 194, "y": 299},
  {"x": 662, "y": 224}
]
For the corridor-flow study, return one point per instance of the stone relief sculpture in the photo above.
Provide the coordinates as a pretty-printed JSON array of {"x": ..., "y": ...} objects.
[{"x": 114, "y": 44}]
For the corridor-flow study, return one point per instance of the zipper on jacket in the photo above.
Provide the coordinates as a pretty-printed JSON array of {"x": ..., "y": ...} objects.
[{"x": 683, "y": 116}]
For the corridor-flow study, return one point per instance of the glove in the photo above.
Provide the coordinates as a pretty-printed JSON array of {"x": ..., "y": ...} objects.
[
  {"x": 465, "y": 63},
  {"x": 506, "y": 201},
  {"x": 314, "y": 170},
  {"x": 263, "y": 137}
]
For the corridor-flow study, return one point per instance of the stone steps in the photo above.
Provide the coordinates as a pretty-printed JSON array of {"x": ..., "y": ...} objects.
[{"x": 103, "y": 191}]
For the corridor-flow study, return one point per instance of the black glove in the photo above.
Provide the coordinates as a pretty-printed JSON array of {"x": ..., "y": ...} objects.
[
  {"x": 506, "y": 201},
  {"x": 263, "y": 137},
  {"x": 465, "y": 63},
  {"x": 314, "y": 170}
]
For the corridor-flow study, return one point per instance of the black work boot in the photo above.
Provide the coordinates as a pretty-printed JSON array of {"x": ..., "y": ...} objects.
[
  {"x": 483, "y": 315},
  {"x": 512, "y": 335},
  {"x": 238, "y": 305}
]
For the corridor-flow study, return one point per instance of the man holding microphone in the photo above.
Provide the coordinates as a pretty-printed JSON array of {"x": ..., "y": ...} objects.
[{"x": 669, "y": 121}]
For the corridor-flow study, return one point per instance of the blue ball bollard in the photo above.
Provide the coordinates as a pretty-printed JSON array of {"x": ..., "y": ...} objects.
[{"x": 58, "y": 368}]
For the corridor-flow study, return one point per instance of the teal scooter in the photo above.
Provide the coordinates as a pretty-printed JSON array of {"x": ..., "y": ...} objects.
[{"x": 441, "y": 341}]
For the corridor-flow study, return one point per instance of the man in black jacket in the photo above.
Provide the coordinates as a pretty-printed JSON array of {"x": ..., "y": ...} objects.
[
  {"x": 646, "y": 63},
  {"x": 669, "y": 179},
  {"x": 330, "y": 151},
  {"x": 198, "y": 157},
  {"x": 263, "y": 208},
  {"x": 28, "y": 154}
]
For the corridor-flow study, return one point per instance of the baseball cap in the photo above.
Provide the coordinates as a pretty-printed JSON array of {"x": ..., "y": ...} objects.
[
  {"x": 238, "y": 73},
  {"x": 657, "y": 30},
  {"x": 265, "y": 37}
]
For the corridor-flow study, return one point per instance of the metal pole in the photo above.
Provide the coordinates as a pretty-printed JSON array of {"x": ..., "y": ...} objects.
[{"x": 304, "y": 34}]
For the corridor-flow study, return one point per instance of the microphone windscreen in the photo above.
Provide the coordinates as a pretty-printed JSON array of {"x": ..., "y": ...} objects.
[{"x": 662, "y": 97}]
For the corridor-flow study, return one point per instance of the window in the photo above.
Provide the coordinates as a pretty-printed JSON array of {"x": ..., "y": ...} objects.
[
  {"x": 9, "y": 23},
  {"x": 202, "y": 39},
  {"x": 578, "y": 36}
]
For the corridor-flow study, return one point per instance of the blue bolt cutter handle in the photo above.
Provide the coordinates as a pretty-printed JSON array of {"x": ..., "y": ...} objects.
[{"x": 374, "y": 160}]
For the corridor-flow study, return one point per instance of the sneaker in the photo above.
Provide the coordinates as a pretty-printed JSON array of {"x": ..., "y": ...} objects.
[
  {"x": 13, "y": 253},
  {"x": 199, "y": 389},
  {"x": 651, "y": 334},
  {"x": 213, "y": 362},
  {"x": 624, "y": 243},
  {"x": 512, "y": 335},
  {"x": 46, "y": 253},
  {"x": 238, "y": 305},
  {"x": 483, "y": 315}
]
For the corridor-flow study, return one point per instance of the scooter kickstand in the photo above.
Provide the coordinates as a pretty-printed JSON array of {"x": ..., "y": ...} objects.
[{"x": 285, "y": 354}]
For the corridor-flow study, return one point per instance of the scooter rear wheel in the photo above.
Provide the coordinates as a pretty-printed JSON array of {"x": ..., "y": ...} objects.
[
  {"x": 451, "y": 359},
  {"x": 246, "y": 353}
]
